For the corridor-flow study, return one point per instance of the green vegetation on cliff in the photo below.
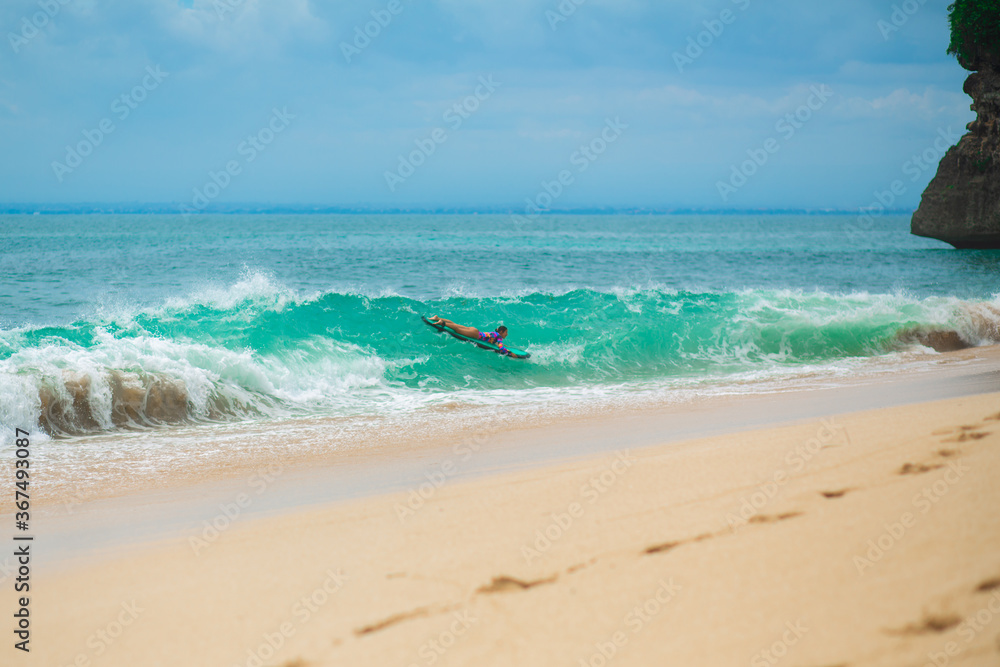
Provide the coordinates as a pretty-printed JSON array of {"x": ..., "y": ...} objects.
[{"x": 975, "y": 32}]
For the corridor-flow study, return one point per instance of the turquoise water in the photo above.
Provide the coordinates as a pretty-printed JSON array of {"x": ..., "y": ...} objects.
[{"x": 120, "y": 322}]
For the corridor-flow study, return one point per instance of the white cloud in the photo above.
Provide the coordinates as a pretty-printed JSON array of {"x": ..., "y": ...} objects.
[
  {"x": 732, "y": 104},
  {"x": 252, "y": 27},
  {"x": 901, "y": 103}
]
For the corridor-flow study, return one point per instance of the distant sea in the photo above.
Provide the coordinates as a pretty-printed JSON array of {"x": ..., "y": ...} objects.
[{"x": 122, "y": 322}]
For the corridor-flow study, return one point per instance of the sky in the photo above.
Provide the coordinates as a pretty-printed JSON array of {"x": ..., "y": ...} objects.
[{"x": 527, "y": 104}]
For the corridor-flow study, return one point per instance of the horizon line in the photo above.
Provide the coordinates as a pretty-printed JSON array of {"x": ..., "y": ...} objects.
[{"x": 125, "y": 208}]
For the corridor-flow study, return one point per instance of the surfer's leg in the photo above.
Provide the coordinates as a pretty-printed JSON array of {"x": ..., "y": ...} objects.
[{"x": 469, "y": 332}]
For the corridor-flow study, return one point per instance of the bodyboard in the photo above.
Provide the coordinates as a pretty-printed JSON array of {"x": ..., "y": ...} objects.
[{"x": 516, "y": 353}]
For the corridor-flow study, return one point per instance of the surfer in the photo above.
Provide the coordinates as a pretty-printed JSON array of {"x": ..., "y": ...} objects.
[{"x": 494, "y": 337}]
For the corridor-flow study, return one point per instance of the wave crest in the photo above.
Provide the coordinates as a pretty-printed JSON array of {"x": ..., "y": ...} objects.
[{"x": 257, "y": 349}]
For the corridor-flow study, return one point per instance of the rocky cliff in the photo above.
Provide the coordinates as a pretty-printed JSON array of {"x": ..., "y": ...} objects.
[{"x": 961, "y": 205}]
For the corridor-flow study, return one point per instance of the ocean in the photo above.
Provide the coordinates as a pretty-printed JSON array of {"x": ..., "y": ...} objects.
[{"x": 138, "y": 324}]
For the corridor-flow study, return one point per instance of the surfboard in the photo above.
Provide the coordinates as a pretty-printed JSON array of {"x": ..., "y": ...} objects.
[{"x": 516, "y": 353}]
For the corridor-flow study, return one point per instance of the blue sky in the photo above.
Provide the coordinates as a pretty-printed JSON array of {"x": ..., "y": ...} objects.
[{"x": 267, "y": 89}]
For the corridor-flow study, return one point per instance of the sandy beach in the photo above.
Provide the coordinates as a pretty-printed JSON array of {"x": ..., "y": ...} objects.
[
  {"x": 866, "y": 538},
  {"x": 537, "y": 334}
]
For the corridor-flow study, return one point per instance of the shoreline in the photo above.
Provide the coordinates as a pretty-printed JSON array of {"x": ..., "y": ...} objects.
[
  {"x": 81, "y": 527},
  {"x": 85, "y": 469},
  {"x": 644, "y": 555}
]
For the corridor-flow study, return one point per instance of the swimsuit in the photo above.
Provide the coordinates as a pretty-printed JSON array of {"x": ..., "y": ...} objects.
[{"x": 494, "y": 338}]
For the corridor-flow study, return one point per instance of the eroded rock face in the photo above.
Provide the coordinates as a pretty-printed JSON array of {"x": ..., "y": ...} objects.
[{"x": 961, "y": 205}]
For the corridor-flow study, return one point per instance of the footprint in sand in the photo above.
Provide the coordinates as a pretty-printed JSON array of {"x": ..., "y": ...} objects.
[
  {"x": 506, "y": 584},
  {"x": 917, "y": 468},
  {"x": 773, "y": 518},
  {"x": 965, "y": 436},
  {"x": 392, "y": 620},
  {"x": 664, "y": 547},
  {"x": 988, "y": 585},
  {"x": 580, "y": 566},
  {"x": 661, "y": 548},
  {"x": 930, "y": 624}
]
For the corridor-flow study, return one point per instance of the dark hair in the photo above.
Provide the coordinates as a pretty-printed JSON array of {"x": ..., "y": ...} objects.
[{"x": 501, "y": 329}]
